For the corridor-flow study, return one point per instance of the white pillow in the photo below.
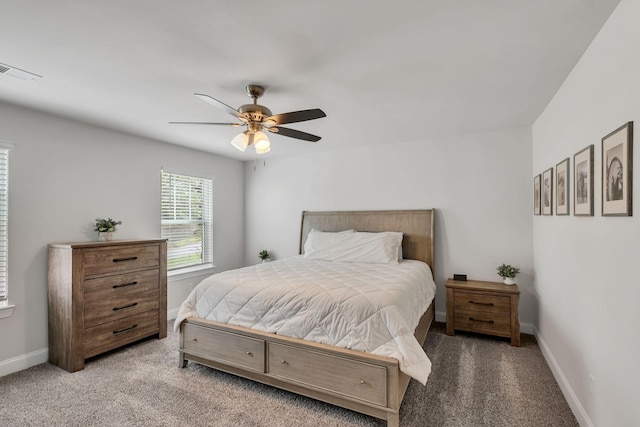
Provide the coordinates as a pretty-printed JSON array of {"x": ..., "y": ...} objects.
[
  {"x": 317, "y": 240},
  {"x": 378, "y": 248}
]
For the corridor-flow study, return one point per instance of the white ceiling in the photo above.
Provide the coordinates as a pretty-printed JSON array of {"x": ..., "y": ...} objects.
[{"x": 383, "y": 71}]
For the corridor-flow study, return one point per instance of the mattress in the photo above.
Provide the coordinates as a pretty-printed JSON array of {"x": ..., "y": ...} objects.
[{"x": 373, "y": 308}]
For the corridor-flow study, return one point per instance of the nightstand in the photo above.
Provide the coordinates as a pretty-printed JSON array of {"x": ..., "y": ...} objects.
[{"x": 484, "y": 307}]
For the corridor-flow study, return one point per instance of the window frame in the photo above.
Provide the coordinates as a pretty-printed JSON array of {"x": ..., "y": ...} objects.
[
  {"x": 6, "y": 308},
  {"x": 207, "y": 223}
]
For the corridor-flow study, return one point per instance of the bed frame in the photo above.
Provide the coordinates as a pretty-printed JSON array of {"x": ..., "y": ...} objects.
[{"x": 355, "y": 380}]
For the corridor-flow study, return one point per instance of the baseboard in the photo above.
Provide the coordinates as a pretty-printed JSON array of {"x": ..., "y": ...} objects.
[
  {"x": 567, "y": 390},
  {"x": 173, "y": 313},
  {"x": 24, "y": 361}
]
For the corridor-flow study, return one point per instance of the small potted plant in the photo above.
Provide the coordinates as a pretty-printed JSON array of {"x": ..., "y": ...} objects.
[
  {"x": 264, "y": 255},
  {"x": 508, "y": 273},
  {"x": 105, "y": 228}
]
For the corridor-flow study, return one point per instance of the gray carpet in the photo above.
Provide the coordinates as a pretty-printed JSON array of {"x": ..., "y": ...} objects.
[{"x": 476, "y": 381}]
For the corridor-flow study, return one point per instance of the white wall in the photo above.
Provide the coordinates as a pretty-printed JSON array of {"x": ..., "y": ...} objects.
[
  {"x": 480, "y": 185},
  {"x": 587, "y": 268},
  {"x": 63, "y": 175}
]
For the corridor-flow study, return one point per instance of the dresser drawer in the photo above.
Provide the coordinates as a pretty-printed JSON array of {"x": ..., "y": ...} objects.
[
  {"x": 117, "y": 259},
  {"x": 102, "y": 308},
  {"x": 114, "y": 334},
  {"x": 484, "y": 322},
  {"x": 225, "y": 347},
  {"x": 104, "y": 287},
  {"x": 469, "y": 301},
  {"x": 349, "y": 378}
]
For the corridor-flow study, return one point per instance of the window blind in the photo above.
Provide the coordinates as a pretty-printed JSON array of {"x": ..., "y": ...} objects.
[
  {"x": 4, "y": 222},
  {"x": 187, "y": 218}
]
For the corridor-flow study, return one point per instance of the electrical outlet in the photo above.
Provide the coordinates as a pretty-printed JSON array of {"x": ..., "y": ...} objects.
[{"x": 592, "y": 387}]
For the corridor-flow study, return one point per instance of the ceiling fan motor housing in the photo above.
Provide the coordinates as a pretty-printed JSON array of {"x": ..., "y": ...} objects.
[{"x": 255, "y": 111}]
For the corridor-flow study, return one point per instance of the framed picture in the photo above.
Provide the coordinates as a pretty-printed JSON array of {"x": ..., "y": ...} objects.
[
  {"x": 536, "y": 194},
  {"x": 617, "y": 168},
  {"x": 562, "y": 187},
  {"x": 547, "y": 192},
  {"x": 583, "y": 182}
]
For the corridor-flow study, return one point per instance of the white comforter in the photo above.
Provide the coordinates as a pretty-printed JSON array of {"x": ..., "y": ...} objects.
[{"x": 366, "y": 307}]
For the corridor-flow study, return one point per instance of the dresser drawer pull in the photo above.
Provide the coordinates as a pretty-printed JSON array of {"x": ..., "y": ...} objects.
[
  {"x": 483, "y": 321},
  {"x": 119, "y": 331},
  {"x": 125, "y": 284},
  {"x": 249, "y": 353},
  {"x": 490, "y": 304},
  {"x": 126, "y": 306},
  {"x": 133, "y": 258}
]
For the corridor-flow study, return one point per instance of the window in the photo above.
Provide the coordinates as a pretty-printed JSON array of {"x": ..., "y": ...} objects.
[
  {"x": 4, "y": 222},
  {"x": 187, "y": 218}
]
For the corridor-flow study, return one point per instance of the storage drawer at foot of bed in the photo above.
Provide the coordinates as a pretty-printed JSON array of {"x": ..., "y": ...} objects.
[
  {"x": 108, "y": 336},
  {"x": 225, "y": 347},
  {"x": 351, "y": 378}
]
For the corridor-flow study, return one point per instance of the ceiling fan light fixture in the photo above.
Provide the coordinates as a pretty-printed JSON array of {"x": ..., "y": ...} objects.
[
  {"x": 241, "y": 141},
  {"x": 261, "y": 142},
  {"x": 264, "y": 150}
]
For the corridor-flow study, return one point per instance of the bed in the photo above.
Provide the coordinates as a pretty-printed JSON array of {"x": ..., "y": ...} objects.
[{"x": 365, "y": 382}]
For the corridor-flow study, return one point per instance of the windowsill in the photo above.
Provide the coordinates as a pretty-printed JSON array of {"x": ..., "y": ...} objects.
[
  {"x": 190, "y": 272},
  {"x": 6, "y": 311}
]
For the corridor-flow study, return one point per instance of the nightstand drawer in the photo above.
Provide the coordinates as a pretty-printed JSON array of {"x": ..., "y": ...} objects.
[
  {"x": 478, "y": 321},
  {"x": 469, "y": 301}
]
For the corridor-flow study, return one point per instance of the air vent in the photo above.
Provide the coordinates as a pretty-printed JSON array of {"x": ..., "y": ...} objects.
[{"x": 8, "y": 70}]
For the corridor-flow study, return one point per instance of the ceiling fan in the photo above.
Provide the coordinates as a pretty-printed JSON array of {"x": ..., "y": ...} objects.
[{"x": 257, "y": 118}]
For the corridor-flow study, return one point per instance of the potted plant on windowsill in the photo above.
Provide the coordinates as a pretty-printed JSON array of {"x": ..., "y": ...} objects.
[
  {"x": 508, "y": 273},
  {"x": 106, "y": 228},
  {"x": 264, "y": 255}
]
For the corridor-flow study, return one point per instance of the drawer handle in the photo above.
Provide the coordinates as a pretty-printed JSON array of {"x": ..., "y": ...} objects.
[
  {"x": 363, "y": 382},
  {"x": 195, "y": 340},
  {"x": 249, "y": 353},
  {"x": 125, "y": 284},
  {"x": 119, "y": 331},
  {"x": 478, "y": 320},
  {"x": 133, "y": 258},
  {"x": 490, "y": 304},
  {"x": 126, "y": 306},
  {"x": 283, "y": 362}
]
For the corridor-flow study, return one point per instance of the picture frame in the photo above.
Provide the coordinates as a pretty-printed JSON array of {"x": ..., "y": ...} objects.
[
  {"x": 617, "y": 171},
  {"x": 547, "y": 192},
  {"x": 583, "y": 182},
  {"x": 536, "y": 194},
  {"x": 562, "y": 187}
]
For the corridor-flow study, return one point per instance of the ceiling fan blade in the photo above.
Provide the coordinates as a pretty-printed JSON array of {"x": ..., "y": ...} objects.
[
  {"x": 292, "y": 133},
  {"x": 297, "y": 116},
  {"x": 219, "y": 104},
  {"x": 206, "y": 123}
]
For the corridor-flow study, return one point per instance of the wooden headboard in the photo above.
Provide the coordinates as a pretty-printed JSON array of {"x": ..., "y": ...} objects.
[{"x": 417, "y": 226}]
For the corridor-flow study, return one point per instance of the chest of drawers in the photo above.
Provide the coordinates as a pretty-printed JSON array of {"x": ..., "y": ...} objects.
[
  {"x": 483, "y": 307},
  {"x": 103, "y": 295}
]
